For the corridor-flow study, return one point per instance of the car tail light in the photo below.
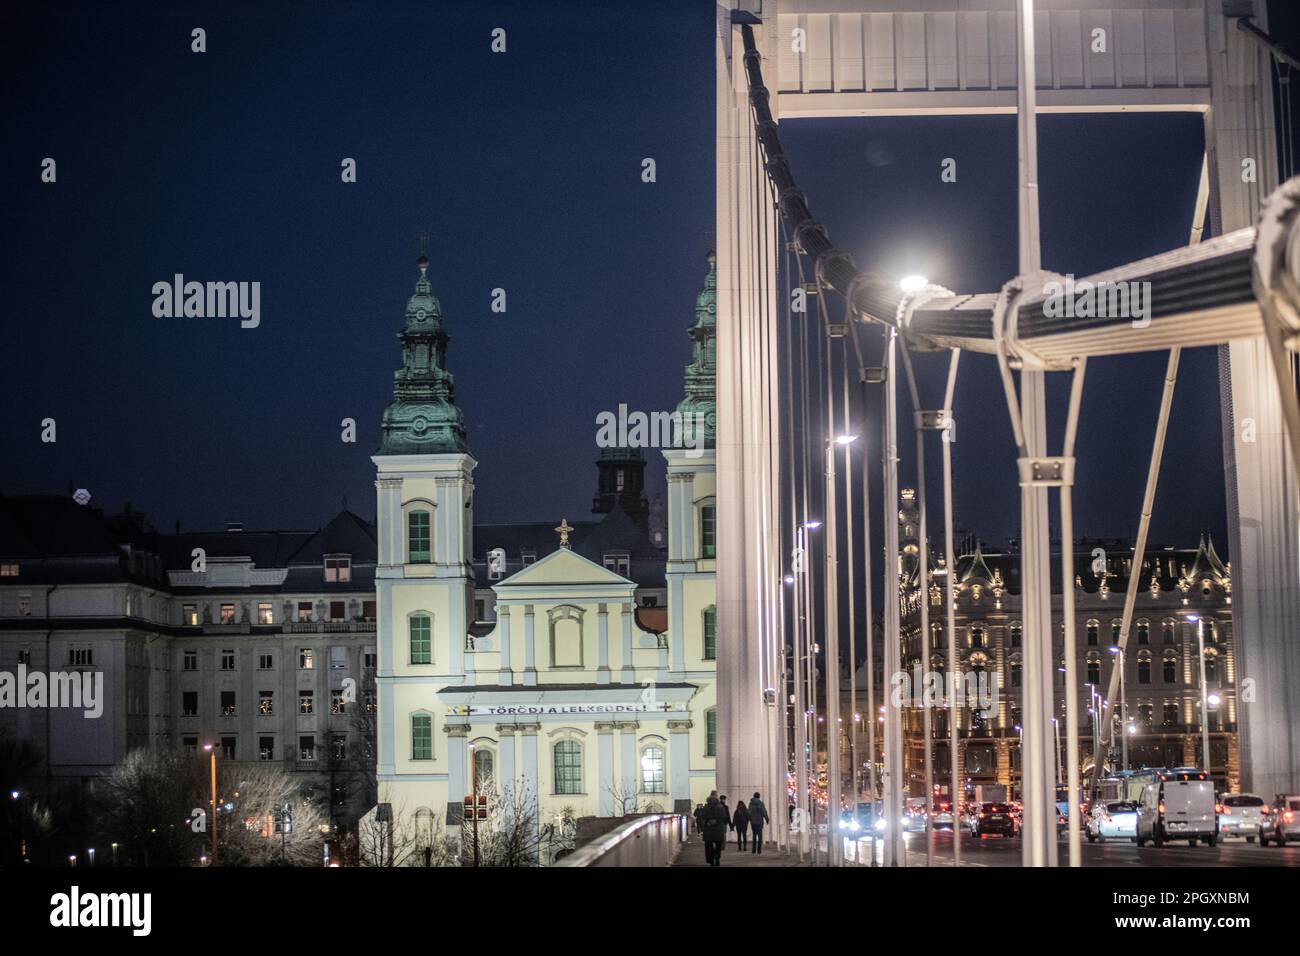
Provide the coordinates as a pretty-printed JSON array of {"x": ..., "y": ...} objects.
[
  {"x": 1226, "y": 811},
  {"x": 1264, "y": 811},
  {"x": 981, "y": 816},
  {"x": 1288, "y": 816},
  {"x": 1161, "y": 808}
]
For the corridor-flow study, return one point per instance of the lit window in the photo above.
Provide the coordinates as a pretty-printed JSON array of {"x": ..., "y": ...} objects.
[
  {"x": 266, "y": 702},
  {"x": 652, "y": 770},
  {"x": 227, "y": 614},
  {"x": 304, "y": 612},
  {"x": 306, "y": 658},
  {"x": 338, "y": 568},
  {"x": 190, "y": 615},
  {"x": 264, "y": 614},
  {"x": 306, "y": 702},
  {"x": 337, "y": 705},
  {"x": 417, "y": 537},
  {"x": 8, "y": 570}
]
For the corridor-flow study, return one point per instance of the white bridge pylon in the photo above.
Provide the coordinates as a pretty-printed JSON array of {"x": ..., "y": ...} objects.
[{"x": 826, "y": 58}]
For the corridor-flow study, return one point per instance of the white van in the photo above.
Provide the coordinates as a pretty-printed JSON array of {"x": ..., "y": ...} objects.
[{"x": 1178, "y": 809}]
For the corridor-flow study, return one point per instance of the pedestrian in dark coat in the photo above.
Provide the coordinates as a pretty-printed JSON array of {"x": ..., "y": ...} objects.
[
  {"x": 740, "y": 822},
  {"x": 758, "y": 819},
  {"x": 699, "y": 818},
  {"x": 716, "y": 820}
]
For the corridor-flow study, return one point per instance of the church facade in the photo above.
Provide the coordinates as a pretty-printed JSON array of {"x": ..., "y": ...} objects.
[{"x": 570, "y": 700}]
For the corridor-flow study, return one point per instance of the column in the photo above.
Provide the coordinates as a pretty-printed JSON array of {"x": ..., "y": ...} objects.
[
  {"x": 506, "y": 772},
  {"x": 629, "y": 776},
  {"x": 457, "y": 776},
  {"x": 679, "y": 761},
  {"x": 677, "y": 622},
  {"x": 531, "y": 792},
  {"x": 389, "y": 516},
  {"x": 602, "y": 641},
  {"x": 629, "y": 672},
  {"x": 605, "y": 766},
  {"x": 530, "y": 648},
  {"x": 505, "y": 675}
]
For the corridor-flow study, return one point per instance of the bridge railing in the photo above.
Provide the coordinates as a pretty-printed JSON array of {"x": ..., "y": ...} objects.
[{"x": 646, "y": 841}]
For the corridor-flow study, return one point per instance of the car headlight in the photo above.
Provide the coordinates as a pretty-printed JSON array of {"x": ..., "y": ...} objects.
[{"x": 880, "y": 824}]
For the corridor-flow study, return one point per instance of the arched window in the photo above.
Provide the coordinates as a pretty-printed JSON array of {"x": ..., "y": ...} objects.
[
  {"x": 566, "y": 636},
  {"x": 1015, "y": 633},
  {"x": 419, "y": 537},
  {"x": 1211, "y": 667},
  {"x": 1093, "y": 628},
  {"x": 422, "y": 736},
  {"x": 1094, "y": 671},
  {"x": 708, "y": 531},
  {"x": 1168, "y": 633},
  {"x": 1114, "y": 631},
  {"x": 1144, "y": 667},
  {"x": 652, "y": 770},
  {"x": 1170, "y": 669},
  {"x": 1211, "y": 632},
  {"x": 711, "y": 732},
  {"x": 1144, "y": 632},
  {"x": 568, "y": 767},
  {"x": 1014, "y": 667},
  {"x": 977, "y": 635},
  {"x": 710, "y": 633},
  {"x": 420, "y": 625},
  {"x": 484, "y": 766}
]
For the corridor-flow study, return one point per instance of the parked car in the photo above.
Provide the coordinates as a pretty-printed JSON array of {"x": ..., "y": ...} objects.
[
  {"x": 1178, "y": 809},
  {"x": 1116, "y": 820},
  {"x": 1241, "y": 814},
  {"x": 995, "y": 819},
  {"x": 1282, "y": 821}
]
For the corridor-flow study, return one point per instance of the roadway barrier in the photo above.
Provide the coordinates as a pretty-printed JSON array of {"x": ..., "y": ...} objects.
[{"x": 651, "y": 840}]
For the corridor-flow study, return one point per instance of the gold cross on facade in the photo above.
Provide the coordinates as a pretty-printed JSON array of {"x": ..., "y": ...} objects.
[{"x": 564, "y": 530}]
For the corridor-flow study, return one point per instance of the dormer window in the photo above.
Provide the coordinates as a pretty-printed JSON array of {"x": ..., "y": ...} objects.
[
  {"x": 529, "y": 557},
  {"x": 338, "y": 568},
  {"x": 620, "y": 562}
]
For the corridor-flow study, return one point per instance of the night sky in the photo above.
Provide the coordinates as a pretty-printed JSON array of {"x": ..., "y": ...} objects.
[{"x": 524, "y": 168}]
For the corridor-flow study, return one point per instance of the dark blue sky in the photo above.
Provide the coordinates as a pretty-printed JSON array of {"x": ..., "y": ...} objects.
[{"x": 525, "y": 170}]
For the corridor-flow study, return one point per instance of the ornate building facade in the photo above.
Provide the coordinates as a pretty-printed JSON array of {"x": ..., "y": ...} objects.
[{"x": 566, "y": 699}]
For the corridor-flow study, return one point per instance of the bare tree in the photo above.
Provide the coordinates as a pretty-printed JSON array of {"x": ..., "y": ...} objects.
[
  {"x": 510, "y": 836},
  {"x": 405, "y": 840},
  {"x": 270, "y": 822},
  {"x": 147, "y": 806}
]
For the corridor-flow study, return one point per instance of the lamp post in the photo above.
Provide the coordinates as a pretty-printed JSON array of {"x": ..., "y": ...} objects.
[
  {"x": 1205, "y": 713},
  {"x": 212, "y": 753},
  {"x": 1123, "y": 705}
]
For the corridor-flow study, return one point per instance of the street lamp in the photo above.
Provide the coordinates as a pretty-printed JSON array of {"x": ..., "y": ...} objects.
[
  {"x": 212, "y": 753},
  {"x": 1205, "y": 713},
  {"x": 1123, "y": 704},
  {"x": 913, "y": 283}
]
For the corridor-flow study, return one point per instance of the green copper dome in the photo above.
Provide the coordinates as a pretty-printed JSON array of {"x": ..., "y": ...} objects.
[
  {"x": 699, "y": 407},
  {"x": 423, "y": 418}
]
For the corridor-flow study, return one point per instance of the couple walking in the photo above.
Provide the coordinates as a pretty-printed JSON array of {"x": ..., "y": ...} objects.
[{"x": 717, "y": 819}]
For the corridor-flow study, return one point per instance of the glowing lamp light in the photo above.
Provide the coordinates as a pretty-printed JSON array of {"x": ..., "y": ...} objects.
[
  {"x": 913, "y": 283},
  {"x": 1213, "y": 700},
  {"x": 845, "y": 439},
  {"x": 789, "y": 579},
  {"x": 812, "y": 525}
]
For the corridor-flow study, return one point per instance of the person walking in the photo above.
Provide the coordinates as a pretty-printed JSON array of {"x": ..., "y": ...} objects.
[
  {"x": 758, "y": 819},
  {"x": 715, "y": 821},
  {"x": 740, "y": 822},
  {"x": 699, "y": 818}
]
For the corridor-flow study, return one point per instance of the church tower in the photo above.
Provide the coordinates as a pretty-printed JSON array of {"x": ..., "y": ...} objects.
[
  {"x": 621, "y": 480},
  {"x": 424, "y": 581},
  {"x": 692, "y": 539}
]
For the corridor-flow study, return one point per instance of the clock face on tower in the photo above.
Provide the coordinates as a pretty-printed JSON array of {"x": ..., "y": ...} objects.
[
  {"x": 419, "y": 425},
  {"x": 421, "y": 315}
]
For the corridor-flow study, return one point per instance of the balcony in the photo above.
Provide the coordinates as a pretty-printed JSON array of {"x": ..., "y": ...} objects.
[{"x": 329, "y": 627}]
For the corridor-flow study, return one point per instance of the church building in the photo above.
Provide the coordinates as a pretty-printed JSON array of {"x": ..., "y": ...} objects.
[{"x": 565, "y": 691}]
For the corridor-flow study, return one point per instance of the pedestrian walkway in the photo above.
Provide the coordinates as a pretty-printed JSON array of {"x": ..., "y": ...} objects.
[{"x": 691, "y": 853}]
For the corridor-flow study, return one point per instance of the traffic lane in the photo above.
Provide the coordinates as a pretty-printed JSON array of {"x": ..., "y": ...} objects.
[{"x": 996, "y": 851}]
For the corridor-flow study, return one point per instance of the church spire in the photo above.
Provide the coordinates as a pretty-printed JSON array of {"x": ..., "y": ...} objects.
[
  {"x": 423, "y": 418},
  {"x": 699, "y": 407}
]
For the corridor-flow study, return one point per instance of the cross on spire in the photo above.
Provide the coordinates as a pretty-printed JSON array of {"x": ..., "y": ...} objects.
[
  {"x": 563, "y": 530},
  {"x": 424, "y": 243}
]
